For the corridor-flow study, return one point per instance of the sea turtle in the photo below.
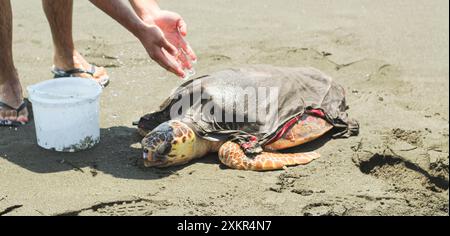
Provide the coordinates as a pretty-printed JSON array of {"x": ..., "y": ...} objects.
[{"x": 297, "y": 105}]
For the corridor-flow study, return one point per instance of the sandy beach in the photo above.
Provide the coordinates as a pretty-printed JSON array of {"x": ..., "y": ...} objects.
[{"x": 391, "y": 57}]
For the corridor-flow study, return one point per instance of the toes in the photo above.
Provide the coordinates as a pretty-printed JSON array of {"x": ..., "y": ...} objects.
[
  {"x": 22, "y": 119},
  {"x": 23, "y": 116},
  {"x": 100, "y": 75},
  {"x": 11, "y": 115},
  {"x": 100, "y": 72}
]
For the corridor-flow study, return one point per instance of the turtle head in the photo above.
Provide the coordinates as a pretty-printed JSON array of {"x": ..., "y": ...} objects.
[{"x": 170, "y": 143}]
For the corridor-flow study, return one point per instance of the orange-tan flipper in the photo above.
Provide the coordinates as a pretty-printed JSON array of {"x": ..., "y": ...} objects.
[
  {"x": 233, "y": 156},
  {"x": 307, "y": 129}
]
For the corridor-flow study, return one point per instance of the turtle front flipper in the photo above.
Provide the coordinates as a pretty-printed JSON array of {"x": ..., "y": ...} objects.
[{"x": 234, "y": 157}]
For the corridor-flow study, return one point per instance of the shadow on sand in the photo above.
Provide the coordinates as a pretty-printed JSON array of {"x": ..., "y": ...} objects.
[{"x": 118, "y": 154}]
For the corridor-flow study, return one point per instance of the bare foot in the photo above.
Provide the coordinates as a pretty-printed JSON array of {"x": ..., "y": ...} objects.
[
  {"x": 76, "y": 61},
  {"x": 11, "y": 94}
]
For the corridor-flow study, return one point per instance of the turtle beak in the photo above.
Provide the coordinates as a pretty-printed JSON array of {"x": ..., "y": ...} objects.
[
  {"x": 154, "y": 163},
  {"x": 152, "y": 159},
  {"x": 148, "y": 163}
]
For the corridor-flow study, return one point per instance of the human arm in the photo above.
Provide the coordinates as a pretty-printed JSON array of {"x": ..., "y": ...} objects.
[
  {"x": 151, "y": 36},
  {"x": 171, "y": 23}
]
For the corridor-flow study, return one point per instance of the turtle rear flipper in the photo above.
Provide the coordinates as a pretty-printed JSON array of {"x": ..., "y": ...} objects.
[
  {"x": 307, "y": 128},
  {"x": 234, "y": 157}
]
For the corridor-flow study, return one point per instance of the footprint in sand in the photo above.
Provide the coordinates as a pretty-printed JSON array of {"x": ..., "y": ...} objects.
[{"x": 122, "y": 208}]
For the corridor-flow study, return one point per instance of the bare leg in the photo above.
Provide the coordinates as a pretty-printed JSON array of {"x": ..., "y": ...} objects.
[
  {"x": 59, "y": 16},
  {"x": 10, "y": 88}
]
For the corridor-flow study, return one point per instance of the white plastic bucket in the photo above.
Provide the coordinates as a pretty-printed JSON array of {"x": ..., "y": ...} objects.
[{"x": 66, "y": 113}]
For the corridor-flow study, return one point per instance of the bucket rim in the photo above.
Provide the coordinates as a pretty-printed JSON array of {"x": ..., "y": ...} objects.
[{"x": 33, "y": 94}]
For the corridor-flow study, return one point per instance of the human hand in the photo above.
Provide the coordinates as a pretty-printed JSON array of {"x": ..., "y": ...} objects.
[
  {"x": 174, "y": 28},
  {"x": 160, "y": 49}
]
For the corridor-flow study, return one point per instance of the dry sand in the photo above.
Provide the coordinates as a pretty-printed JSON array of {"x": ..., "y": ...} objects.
[{"x": 391, "y": 56}]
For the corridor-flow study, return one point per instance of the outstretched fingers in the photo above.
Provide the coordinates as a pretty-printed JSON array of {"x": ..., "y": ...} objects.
[
  {"x": 187, "y": 50},
  {"x": 172, "y": 50},
  {"x": 167, "y": 61},
  {"x": 182, "y": 29},
  {"x": 176, "y": 57},
  {"x": 185, "y": 62}
]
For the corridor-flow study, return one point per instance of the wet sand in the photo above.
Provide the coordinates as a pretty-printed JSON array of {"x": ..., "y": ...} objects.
[{"x": 391, "y": 56}]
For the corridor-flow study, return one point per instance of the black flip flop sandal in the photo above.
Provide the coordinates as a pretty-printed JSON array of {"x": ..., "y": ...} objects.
[
  {"x": 9, "y": 122},
  {"x": 60, "y": 73}
]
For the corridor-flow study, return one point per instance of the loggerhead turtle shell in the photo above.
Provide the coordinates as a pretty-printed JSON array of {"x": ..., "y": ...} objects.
[{"x": 252, "y": 103}]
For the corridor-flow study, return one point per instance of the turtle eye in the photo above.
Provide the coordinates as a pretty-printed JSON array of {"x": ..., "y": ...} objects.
[{"x": 145, "y": 154}]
